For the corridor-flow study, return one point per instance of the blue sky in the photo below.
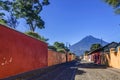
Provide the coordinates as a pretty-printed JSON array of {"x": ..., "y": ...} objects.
[{"x": 71, "y": 20}]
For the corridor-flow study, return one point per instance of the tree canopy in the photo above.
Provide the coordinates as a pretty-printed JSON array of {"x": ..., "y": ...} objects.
[
  {"x": 26, "y": 9},
  {"x": 95, "y": 46},
  {"x": 52, "y": 48},
  {"x": 115, "y": 4},
  {"x": 7, "y": 13},
  {"x": 30, "y": 10},
  {"x": 59, "y": 47}
]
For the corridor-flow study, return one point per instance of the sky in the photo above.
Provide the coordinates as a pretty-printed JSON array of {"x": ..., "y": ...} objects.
[{"x": 69, "y": 21}]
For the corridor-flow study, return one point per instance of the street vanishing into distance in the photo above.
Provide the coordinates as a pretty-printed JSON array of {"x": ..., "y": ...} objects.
[
  {"x": 75, "y": 70},
  {"x": 81, "y": 40}
]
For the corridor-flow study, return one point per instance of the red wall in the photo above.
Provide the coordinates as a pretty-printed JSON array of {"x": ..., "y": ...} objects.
[
  {"x": 55, "y": 58},
  {"x": 96, "y": 57},
  {"x": 70, "y": 57},
  {"x": 20, "y": 53},
  {"x": 58, "y": 58}
]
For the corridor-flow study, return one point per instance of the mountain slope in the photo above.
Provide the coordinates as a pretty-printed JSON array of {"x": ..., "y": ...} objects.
[{"x": 85, "y": 44}]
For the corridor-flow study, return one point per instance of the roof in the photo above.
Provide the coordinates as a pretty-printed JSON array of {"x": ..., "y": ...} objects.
[
  {"x": 118, "y": 44},
  {"x": 110, "y": 45},
  {"x": 97, "y": 50},
  {"x": 106, "y": 47}
]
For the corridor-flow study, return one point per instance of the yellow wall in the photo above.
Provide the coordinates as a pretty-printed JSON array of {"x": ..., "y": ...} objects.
[
  {"x": 115, "y": 58},
  {"x": 111, "y": 59}
]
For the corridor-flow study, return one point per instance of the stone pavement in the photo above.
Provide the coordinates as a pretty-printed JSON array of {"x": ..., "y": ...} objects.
[
  {"x": 65, "y": 71},
  {"x": 75, "y": 70},
  {"x": 90, "y": 71}
]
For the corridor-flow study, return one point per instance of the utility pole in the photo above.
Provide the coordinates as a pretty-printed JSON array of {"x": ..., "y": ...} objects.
[
  {"x": 101, "y": 41},
  {"x": 66, "y": 52}
]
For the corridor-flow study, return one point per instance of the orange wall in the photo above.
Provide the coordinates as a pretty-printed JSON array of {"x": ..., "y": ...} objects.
[
  {"x": 71, "y": 57},
  {"x": 58, "y": 58},
  {"x": 55, "y": 58},
  {"x": 20, "y": 53}
]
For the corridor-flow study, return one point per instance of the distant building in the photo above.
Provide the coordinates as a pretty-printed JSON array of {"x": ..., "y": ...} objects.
[{"x": 98, "y": 55}]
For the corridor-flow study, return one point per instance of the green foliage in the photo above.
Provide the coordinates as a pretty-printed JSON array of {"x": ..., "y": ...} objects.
[
  {"x": 67, "y": 49},
  {"x": 44, "y": 39},
  {"x": 2, "y": 21},
  {"x": 6, "y": 6},
  {"x": 61, "y": 50},
  {"x": 26, "y": 9},
  {"x": 95, "y": 46},
  {"x": 45, "y": 2},
  {"x": 37, "y": 36},
  {"x": 60, "y": 47},
  {"x": 30, "y": 10},
  {"x": 33, "y": 34},
  {"x": 117, "y": 11},
  {"x": 2, "y": 14},
  {"x": 115, "y": 4},
  {"x": 52, "y": 48},
  {"x": 12, "y": 21}
]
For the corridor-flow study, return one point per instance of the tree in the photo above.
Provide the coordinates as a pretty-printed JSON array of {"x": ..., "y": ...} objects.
[
  {"x": 26, "y": 9},
  {"x": 12, "y": 20},
  {"x": 52, "y": 48},
  {"x": 95, "y": 46},
  {"x": 44, "y": 39},
  {"x": 8, "y": 18},
  {"x": 115, "y": 4},
  {"x": 30, "y": 11},
  {"x": 67, "y": 49},
  {"x": 60, "y": 47}
]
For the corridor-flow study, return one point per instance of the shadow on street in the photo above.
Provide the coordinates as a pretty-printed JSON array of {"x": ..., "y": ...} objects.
[
  {"x": 91, "y": 66},
  {"x": 88, "y": 65},
  {"x": 80, "y": 72}
]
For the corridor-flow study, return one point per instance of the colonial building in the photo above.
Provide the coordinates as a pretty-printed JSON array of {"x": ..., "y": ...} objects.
[{"x": 99, "y": 56}]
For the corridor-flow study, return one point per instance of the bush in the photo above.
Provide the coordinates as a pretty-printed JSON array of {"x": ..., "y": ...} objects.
[
  {"x": 52, "y": 48},
  {"x": 36, "y": 35},
  {"x": 61, "y": 50},
  {"x": 33, "y": 34}
]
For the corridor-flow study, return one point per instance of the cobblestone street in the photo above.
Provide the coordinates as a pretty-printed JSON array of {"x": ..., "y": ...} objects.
[
  {"x": 65, "y": 71},
  {"x": 89, "y": 71},
  {"x": 73, "y": 71}
]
